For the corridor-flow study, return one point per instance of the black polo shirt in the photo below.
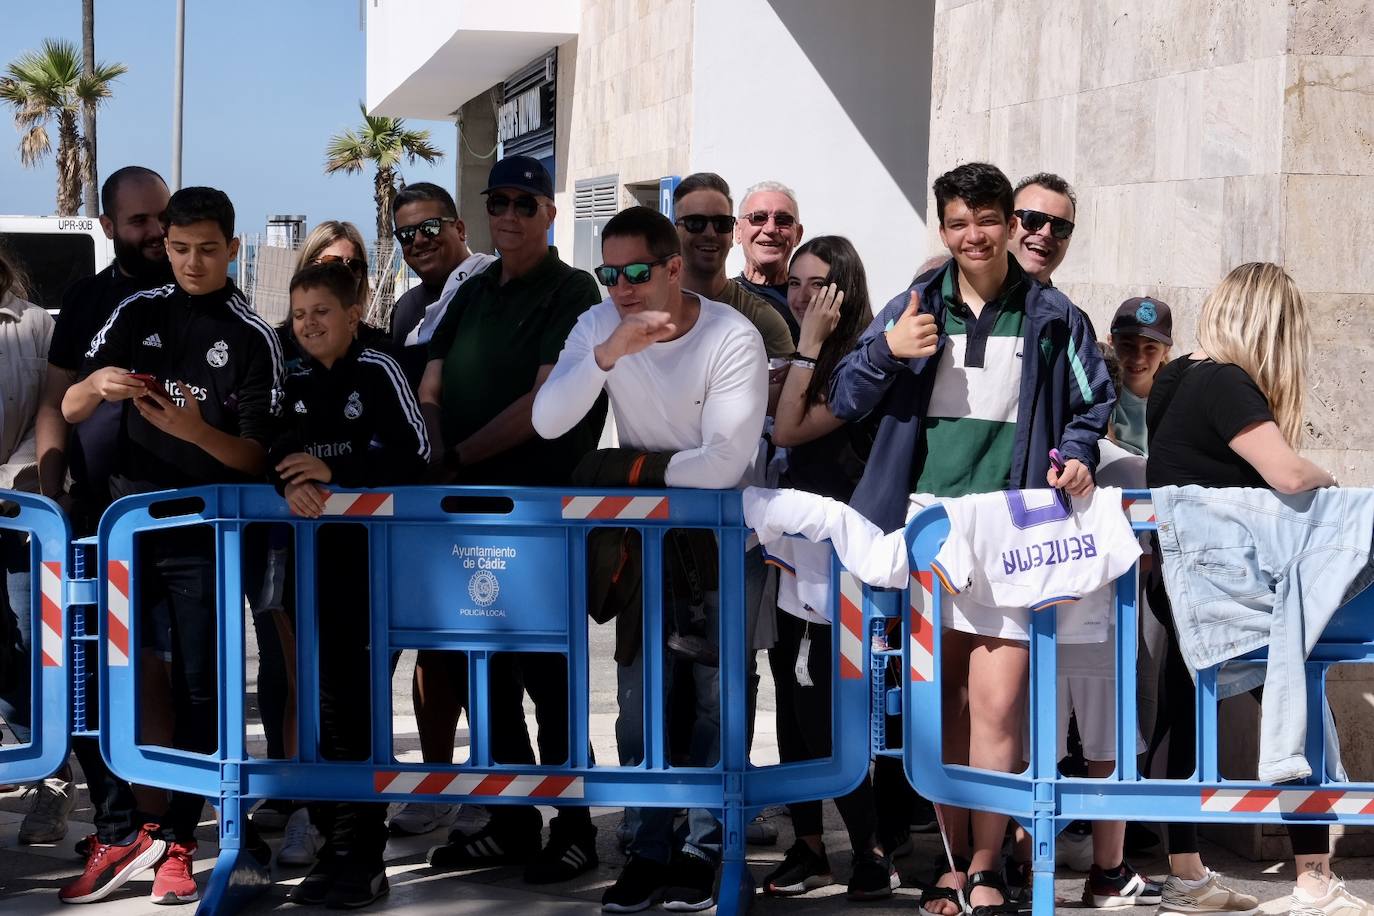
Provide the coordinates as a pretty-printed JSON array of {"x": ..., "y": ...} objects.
[{"x": 493, "y": 339}]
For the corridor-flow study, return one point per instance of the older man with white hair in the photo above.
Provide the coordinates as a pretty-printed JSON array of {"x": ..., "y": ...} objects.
[{"x": 768, "y": 229}]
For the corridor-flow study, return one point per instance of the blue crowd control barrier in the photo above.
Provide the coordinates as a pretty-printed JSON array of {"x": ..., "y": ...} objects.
[
  {"x": 49, "y": 670},
  {"x": 426, "y": 595},
  {"x": 1042, "y": 800}
]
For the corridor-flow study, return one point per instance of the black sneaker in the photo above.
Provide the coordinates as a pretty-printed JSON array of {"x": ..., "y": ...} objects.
[
  {"x": 639, "y": 887},
  {"x": 356, "y": 885},
  {"x": 570, "y": 852},
  {"x": 802, "y": 870},
  {"x": 691, "y": 886},
  {"x": 1020, "y": 879},
  {"x": 923, "y": 818},
  {"x": 1120, "y": 887},
  {"x": 314, "y": 887},
  {"x": 873, "y": 878},
  {"x": 489, "y": 846}
]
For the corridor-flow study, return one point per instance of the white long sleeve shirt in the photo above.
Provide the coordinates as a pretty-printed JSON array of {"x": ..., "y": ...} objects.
[{"x": 702, "y": 396}]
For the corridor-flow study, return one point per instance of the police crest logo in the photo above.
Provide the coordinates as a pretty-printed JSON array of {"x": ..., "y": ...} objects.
[
  {"x": 354, "y": 408},
  {"x": 483, "y": 588},
  {"x": 218, "y": 354}
]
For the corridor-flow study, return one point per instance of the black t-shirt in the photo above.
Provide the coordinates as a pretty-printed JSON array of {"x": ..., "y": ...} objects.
[
  {"x": 831, "y": 465},
  {"x": 229, "y": 356},
  {"x": 86, "y": 306},
  {"x": 775, "y": 296},
  {"x": 1196, "y": 408}
]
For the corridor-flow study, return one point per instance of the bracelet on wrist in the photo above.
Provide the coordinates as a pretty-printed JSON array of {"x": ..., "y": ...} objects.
[{"x": 802, "y": 362}]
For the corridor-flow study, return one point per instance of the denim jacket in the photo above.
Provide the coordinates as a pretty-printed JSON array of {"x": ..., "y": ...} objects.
[{"x": 1249, "y": 568}]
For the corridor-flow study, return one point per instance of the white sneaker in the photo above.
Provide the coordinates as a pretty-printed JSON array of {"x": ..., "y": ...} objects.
[
  {"x": 1179, "y": 899},
  {"x": 53, "y": 800},
  {"x": 302, "y": 842},
  {"x": 1074, "y": 850},
  {"x": 416, "y": 818},
  {"x": 1338, "y": 901}
]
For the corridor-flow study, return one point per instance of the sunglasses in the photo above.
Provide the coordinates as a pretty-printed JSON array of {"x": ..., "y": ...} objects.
[
  {"x": 636, "y": 273},
  {"x": 357, "y": 266},
  {"x": 1034, "y": 221},
  {"x": 430, "y": 227},
  {"x": 697, "y": 224},
  {"x": 525, "y": 205},
  {"x": 761, "y": 217}
]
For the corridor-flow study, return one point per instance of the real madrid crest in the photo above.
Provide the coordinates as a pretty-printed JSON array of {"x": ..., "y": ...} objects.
[
  {"x": 1146, "y": 313},
  {"x": 354, "y": 408},
  {"x": 218, "y": 355}
]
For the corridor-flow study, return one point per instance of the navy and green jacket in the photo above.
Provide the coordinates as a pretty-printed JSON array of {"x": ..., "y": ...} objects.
[{"x": 1066, "y": 396}]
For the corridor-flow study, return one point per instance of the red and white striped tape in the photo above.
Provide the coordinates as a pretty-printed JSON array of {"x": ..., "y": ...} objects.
[
  {"x": 851, "y": 627},
  {"x": 51, "y": 590},
  {"x": 360, "y": 504},
  {"x": 922, "y": 637},
  {"x": 1287, "y": 801},
  {"x": 493, "y": 784},
  {"x": 615, "y": 507},
  {"x": 1139, "y": 510},
  {"x": 117, "y": 620}
]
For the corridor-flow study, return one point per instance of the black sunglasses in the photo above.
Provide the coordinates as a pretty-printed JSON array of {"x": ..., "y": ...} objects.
[
  {"x": 1034, "y": 221},
  {"x": 636, "y": 273},
  {"x": 697, "y": 224},
  {"x": 430, "y": 227},
  {"x": 357, "y": 266},
  {"x": 525, "y": 205},
  {"x": 760, "y": 218}
]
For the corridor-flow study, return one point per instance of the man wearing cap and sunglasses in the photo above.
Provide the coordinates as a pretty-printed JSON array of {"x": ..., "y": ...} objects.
[{"x": 495, "y": 346}]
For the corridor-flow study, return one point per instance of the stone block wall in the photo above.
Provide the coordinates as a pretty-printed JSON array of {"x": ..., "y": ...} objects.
[
  {"x": 1199, "y": 134},
  {"x": 630, "y": 125}
]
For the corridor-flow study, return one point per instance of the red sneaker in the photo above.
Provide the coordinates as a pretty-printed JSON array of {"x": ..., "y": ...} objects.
[
  {"x": 174, "y": 882},
  {"x": 109, "y": 866}
]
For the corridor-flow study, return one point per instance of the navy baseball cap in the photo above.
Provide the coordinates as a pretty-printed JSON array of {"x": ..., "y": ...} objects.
[
  {"x": 1146, "y": 318},
  {"x": 523, "y": 173}
]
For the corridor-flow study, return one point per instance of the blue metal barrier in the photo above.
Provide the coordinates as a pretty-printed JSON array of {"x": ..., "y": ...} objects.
[
  {"x": 49, "y": 670},
  {"x": 425, "y": 594},
  {"x": 1043, "y": 801}
]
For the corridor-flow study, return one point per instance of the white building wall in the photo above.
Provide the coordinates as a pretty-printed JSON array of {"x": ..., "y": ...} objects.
[{"x": 833, "y": 99}]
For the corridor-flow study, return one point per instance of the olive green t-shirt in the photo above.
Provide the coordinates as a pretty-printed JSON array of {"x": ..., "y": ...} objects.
[
  {"x": 493, "y": 339},
  {"x": 777, "y": 339}
]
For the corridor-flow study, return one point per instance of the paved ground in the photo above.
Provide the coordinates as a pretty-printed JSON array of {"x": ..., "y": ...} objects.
[{"x": 30, "y": 876}]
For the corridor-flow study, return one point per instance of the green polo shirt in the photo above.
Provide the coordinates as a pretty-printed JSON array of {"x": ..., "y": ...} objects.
[
  {"x": 970, "y": 426},
  {"x": 493, "y": 339}
]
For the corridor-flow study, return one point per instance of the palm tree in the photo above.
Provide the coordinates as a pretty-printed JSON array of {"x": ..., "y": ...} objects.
[
  {"x": 384, "y": 142},
  {"x": 52, "y": 84}
]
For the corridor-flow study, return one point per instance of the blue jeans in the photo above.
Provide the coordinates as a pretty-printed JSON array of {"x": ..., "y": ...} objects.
[{"x": 652, "y": 828}]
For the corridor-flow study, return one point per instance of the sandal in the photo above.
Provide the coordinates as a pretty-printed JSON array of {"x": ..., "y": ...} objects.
[
  {"x": 933, "y": 892},
  {"x": 993, "y": 880}
]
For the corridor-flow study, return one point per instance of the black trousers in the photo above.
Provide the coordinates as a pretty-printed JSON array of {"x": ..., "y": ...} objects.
[
  {"x": 343, "y": 619},
  {"x": 803, "y": 717}
]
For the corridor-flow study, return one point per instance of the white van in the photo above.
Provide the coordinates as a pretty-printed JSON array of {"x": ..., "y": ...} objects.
[{"x": 54, "y": 252}]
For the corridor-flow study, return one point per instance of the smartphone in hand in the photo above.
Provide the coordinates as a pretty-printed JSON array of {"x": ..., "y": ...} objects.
[{"x": 151, "y": 382}]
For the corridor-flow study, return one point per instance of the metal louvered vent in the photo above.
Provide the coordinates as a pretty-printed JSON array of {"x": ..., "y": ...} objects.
[{"x": 596, "y": 198}]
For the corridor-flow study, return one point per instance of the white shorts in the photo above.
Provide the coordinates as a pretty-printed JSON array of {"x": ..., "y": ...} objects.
[{"x": 1093, "y": 699}]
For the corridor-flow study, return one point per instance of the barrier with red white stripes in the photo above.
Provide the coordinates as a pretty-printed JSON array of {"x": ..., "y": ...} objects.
[
  {"x": 486, "y": 572},
  {"x": 921, "y": 626},
  {"x": 43, "y": 692},
  {"x": 117, "y": 613}
]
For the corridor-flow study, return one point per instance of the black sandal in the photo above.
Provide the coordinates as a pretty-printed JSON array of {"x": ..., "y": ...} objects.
[
  {"x": 993, "y": 880},
  {"x": 933, "y": 892}
]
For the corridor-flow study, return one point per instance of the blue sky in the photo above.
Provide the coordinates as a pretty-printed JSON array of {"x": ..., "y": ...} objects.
[{"x": 267, "y": 83}]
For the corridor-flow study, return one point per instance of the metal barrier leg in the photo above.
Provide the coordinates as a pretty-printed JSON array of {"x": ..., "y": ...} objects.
[{"x": 238, "y": 877}]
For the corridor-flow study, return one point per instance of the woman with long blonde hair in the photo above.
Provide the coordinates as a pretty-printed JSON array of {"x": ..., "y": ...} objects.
[
  {"x": 1230, "y": 415},
  {"x": 338, "y": 240}
]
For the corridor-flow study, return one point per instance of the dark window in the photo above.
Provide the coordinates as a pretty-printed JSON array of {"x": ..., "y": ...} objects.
[{"x": 51, "y": 261}]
